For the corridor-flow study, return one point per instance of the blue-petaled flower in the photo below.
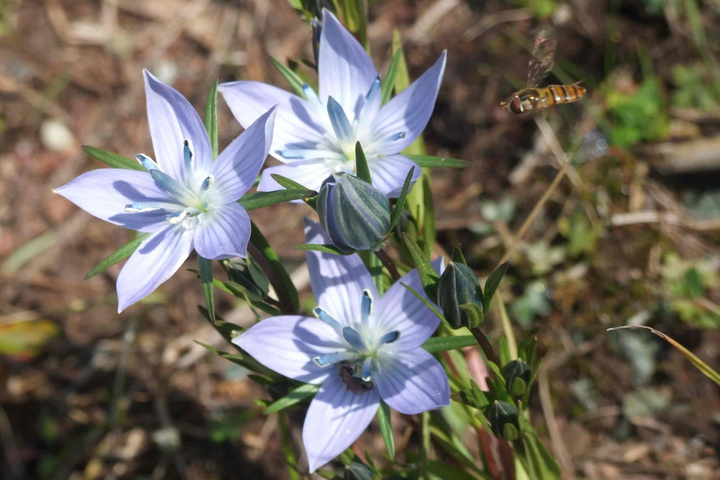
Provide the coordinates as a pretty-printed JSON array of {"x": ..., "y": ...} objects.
[
  {"x": 185, "y": 201},
  {"x": 316, "y": 137},
  {"x": 360, "y": 348}
]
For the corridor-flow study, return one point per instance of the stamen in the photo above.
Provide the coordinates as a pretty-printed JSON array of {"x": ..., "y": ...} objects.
[
  {"x": 366, "y": 305},
  {"x": 374, "y": 88},
  {"x": 177, "y": 217},
  {"x": 174, "y": 188},
  {"x": 397, "y": 136},
  {"x": 353, "y": 338},
  {"x": 333, "y": 358},
  {"x": 311, "y": 95},
  {"x": 306, "y": 154},
  {"x": 207, "y": 182},
  {"x": 147, "y": 162},
  {"x": 327, "y": 318},
  {"x": 189, "y": 155},
  {"x": 143, "y": 207},
  {"x": 339, "y": 121},
  {"x": 389, "y": 337},
  {"x": 367, "y": 369}
]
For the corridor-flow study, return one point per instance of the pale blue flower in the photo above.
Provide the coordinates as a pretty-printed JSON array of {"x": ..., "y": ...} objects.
[
  {"x": 360, "y": 349},
  {"x": 316, "y": 137},
  {"x": 185, "y": 201}
]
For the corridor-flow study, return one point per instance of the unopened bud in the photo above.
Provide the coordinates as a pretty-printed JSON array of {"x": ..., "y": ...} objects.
[
  {"x": 355, "y": 215},
  {"x": 459, "y": 297},
  {"x": 517, "y": 376},
  {"x": 503, "y": 419}
]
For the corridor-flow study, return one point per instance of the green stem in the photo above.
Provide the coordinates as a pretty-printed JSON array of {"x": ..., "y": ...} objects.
[{"x": 485, "y": 345}]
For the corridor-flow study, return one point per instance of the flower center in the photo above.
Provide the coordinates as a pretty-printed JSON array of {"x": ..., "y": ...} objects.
[
  {"x": 191, "y": 202},
  {"x": 355, "y": 362}
]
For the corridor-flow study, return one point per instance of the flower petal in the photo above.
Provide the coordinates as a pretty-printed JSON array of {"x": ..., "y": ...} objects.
[
  {"x": 155, "y": 260},
  {"x": 173, "y": 120},
  {"x": 345, "y": 71},
  {"x": 400, "y": 310},
  {"x": 337, "y": 281},
  {"x": 237, "y": 167},
  {"x": 388, "y": 173},
  {"x": 411, "y": 381},
  {"x": 287, "y": 345},
  {"x": 223, "y": 233},
  {"x": 408, "y": 112},
  {"x": 296, "y": 124},
  {"x": 104, "y": 193},
  {"x": 335, "y": 419},
  {"x": 308, "y": 173}
]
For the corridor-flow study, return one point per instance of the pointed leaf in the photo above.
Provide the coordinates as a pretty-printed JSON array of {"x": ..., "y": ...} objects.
[
  {"x": 324, "y": 248},
  {"x": 211, "y": 118},
  {"x": 397, "y": 211},
  {"x": 279, "y": 277},
  {"x": 429, "y": 161},
  {"x": 448, "y": 342},
  {"x": 206, "y": 277},
  {"x": 361, "y": 167},
  {"x": 458, "y": 257},
  {"x": 389, "y": 82},
  {"x": 287, "y": 183},
  {"x": 492, "y": 284},
  {"x": 253, "y": 201},
  {"x": 295, "y": 396},
  {"x": 386, "y": 428},
  {"x": 295, "y": 82},
  {"x": 117, "y": 256},
  {"x": 113, "y": 159},
  {"x": 428, "y": 276}
]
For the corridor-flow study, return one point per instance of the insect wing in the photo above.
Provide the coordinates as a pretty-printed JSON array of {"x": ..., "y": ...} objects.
[{"x": 543, "y": 54}]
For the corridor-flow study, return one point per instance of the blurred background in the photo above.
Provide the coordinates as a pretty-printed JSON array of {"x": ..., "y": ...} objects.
[{"x": 629, "y": 236}]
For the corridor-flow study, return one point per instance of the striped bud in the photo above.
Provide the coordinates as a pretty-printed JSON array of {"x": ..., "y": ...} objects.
[
  {"x": 354, "y": 214},
  {"x": 458, "y": 286},
  {"x": 503, "y": 419},
  {"x": 517, "y": 376}
]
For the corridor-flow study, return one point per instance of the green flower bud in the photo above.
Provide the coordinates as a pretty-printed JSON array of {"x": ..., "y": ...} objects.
[
  {"x": 517, "y": 376},
  {"x": 355, "y": 215},
  {"x": 503, "y": 419},
  {"x": 459, "y": 287}
]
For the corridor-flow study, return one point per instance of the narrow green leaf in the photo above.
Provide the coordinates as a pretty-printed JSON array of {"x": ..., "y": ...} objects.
[
  {"x": 386, "y": 428},
  {"x": 287, "y": 183},
  {"x": 458, "y": 257},
  {"x": 448, "y": 342},
  {"x": 206, "y": 277},
  {"x": 113, "y": 159},
  {"x": 324, "y": 248},
  {"x": 397, "y": 211},
  {"x": 492, "y": 284},
  {"x": 288, "y": 452},
  {"x": 402, "y": 77},
  {"x": 297, "y": 395},
  {"x": 375, "y": 267},
  {"x": 279, "y": 277},
  {"x": 695, "y": 360},
  {"x": 117, "y": 256},
  {"x": 428, "y": 276},
  {"x": 361, "y": 166},
  {"x": 291, "y": 77},
  {"x": 425, "y": 301},
  {"x": 387, "y": 85},
  {"x": 211, "y": 118},
  {"x": 253, "y": 201},
  {"x": 429, "y": 161},
  {"x": 445, "y": 470},
  {"x": 428, "y": 210}
]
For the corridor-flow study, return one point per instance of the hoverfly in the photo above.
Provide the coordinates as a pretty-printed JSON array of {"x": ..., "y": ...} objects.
[{"x": 531, "y": 98}]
